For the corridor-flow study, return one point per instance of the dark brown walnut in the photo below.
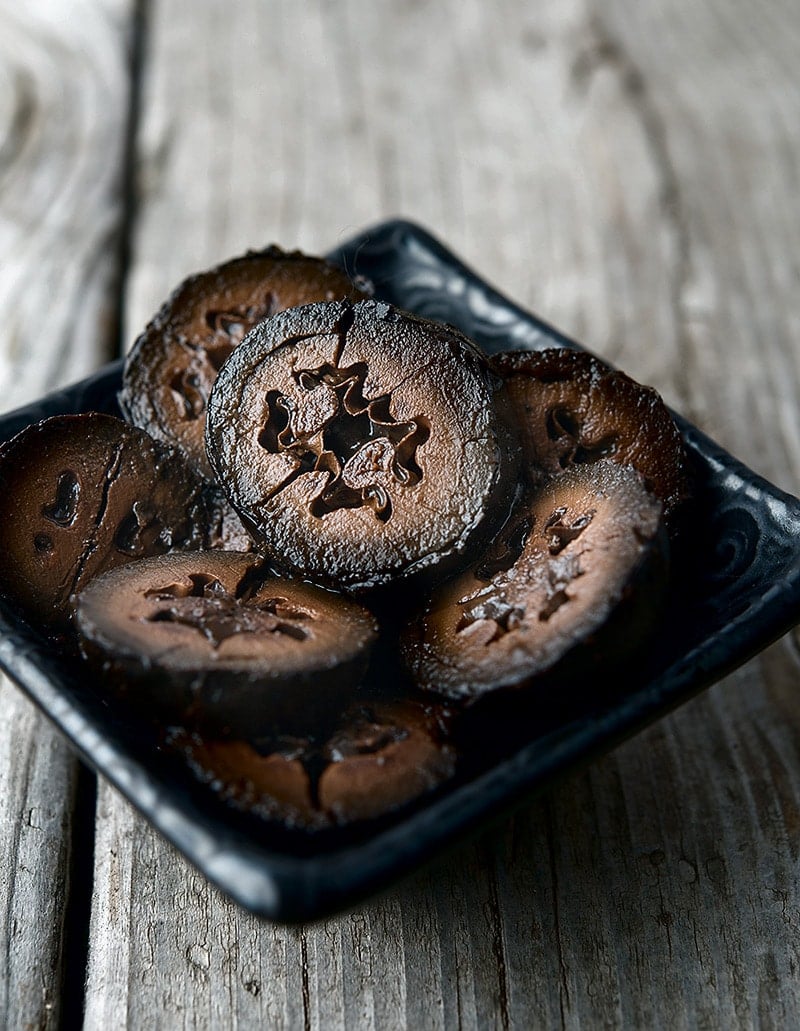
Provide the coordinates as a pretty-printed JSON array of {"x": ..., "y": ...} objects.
[
  {"x": 569, "y": 408},
  {"x": 358, "y": 443},
  {"x": 173, "y": 364},
  {"x": 383, "y": 755},
  {"x": 80, "y": 494},
  {"x": 210, "y": 636},
  {"x": 267, "y": 778},
  {"x": 574, "y": 582}
]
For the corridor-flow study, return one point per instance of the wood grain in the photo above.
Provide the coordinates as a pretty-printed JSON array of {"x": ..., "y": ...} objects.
[
  {"x": 629, "y": 172},
  {"x": 63, "y": 102},
  {"x": 37, "y": 780}
]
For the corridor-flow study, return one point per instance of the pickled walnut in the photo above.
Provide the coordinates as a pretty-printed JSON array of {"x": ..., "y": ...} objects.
[
  {"x": 574, "y": 580},
  {"x": 213, "y": 638},
  {"x": 82, "y": 494},
  {"x": 570, "y": 408},
  {"x": 380, "y": 756},
  {"x": 358, "y": 443},
  {"x": 172, "y": 367}
]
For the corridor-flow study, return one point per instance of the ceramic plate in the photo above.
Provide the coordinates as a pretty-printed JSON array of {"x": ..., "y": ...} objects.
[{"x": 737, "y": 592}]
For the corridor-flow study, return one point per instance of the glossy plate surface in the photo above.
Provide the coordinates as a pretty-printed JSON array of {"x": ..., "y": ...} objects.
[{"x": 738, "y": 591}]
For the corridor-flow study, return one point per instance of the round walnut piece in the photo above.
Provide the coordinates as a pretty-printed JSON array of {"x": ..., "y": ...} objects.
[
  {"x": 575, "y": 580},
  {"x": 569, "y": 408},
  {"x": 80, "y": 494},
  {"x": 212, "y": 638},
  {"x": 171, "y": 369},
  {"x": 382, "y": 755},
  {"x": 358, "y": 443}
]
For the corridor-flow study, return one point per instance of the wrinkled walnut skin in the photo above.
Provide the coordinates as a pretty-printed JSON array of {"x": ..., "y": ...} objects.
[
  {"x": 172, "y": 366},
  {"x": 212, "y": 638},
  {"x": 381, "y": 756},
  {"x": 575, "y": 579},
  {"x": 569, "y": 408},
  {"x": 358, "y": 443},
  {"x": 80, "y": 494}
]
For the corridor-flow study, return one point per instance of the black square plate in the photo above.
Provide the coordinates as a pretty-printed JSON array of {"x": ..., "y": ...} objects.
[{"x": 739, "y": 592}]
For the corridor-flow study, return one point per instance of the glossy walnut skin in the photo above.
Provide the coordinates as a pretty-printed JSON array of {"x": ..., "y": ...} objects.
[
  {"x": 574, "y": 582},
  {"x": 569, "y": 408},
  {"x": 214, "y": 638},
  {"x": 172, "y": 366},
  {"x": 382, "y": 755},
  {"x": 80, "y": 494},
  {"x": 359, "y": 444}
]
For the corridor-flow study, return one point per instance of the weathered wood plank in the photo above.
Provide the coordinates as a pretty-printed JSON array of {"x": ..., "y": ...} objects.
[
  {"x": 627, "y": 174},
  {"x": 37, "y": 779},
  {"x": 63, "y": 90}
]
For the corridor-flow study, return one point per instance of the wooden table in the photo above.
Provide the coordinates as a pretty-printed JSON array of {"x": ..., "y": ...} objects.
[{"x": 628, "y": 171}]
